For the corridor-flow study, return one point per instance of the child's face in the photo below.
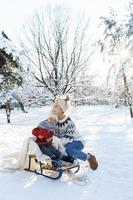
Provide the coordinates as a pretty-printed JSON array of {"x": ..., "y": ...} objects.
[{"x": 52, "y": 120}]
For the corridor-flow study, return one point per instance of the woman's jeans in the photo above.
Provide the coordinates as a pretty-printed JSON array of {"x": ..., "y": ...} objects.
[{"x": 74, "y": 149}]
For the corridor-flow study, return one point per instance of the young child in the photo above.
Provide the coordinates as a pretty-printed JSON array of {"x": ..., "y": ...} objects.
[{"x": 44, "y": 134}]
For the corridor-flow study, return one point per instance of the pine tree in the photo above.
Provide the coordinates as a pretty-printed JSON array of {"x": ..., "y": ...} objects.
[{"x": 10, "y": 67}]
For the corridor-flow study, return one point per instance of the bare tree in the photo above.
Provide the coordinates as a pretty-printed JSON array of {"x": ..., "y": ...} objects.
[
  {"x": 115, "y": 45},
  {"x": 57, "y": 53}
]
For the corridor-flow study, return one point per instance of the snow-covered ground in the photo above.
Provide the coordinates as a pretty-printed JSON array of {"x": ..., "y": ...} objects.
[{"x": 109, "y": 135}]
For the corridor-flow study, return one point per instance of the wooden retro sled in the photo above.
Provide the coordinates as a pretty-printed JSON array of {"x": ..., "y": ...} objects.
[{"x": 52, "y": 169}]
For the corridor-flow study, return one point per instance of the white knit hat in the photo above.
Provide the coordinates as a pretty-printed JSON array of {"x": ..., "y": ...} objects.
[
  {"x": 64, "y": 102},
  {"x": 53, "y": 115}
]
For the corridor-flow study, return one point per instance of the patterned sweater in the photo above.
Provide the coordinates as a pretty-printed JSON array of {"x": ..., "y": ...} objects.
[{"x": 67, "y": 131}]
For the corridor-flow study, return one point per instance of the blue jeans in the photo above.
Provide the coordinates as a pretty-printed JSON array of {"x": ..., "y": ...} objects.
[
  {"x": 50, "y": 151},
  {"x": 74, "y": 149}
]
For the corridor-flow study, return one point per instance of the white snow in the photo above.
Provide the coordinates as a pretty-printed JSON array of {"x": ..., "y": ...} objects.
[{"x": 109, "y": 135}]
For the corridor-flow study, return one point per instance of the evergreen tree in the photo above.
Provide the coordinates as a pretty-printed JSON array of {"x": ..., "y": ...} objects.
[{"x": 10, "y": 67}]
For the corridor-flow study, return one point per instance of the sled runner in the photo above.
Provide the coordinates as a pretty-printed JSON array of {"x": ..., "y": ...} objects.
[{"x": 52, "y": 169}]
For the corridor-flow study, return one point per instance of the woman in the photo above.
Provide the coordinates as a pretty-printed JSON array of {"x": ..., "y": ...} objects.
[
  {"x": 44, "y": 139},
  {"x": 70, "y": 137}
]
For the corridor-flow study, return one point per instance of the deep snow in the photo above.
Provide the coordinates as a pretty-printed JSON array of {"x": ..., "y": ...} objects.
[{"x": 109, "y": 135}]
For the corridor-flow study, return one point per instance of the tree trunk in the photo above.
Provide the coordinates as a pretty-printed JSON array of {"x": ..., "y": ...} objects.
[
  {"x": 8, "y": 110},
  {"x": 127, "y": 95}
]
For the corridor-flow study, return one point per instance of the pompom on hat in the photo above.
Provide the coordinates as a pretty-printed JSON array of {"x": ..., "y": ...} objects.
[{"x": 64, "y": 102}]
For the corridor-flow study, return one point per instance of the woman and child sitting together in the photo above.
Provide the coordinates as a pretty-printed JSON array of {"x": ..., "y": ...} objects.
[{"x": 61, "y": 126}]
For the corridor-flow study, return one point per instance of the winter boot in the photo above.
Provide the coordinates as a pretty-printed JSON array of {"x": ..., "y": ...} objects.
[
  {"x": 55, "y": 163},
  {"x": 93, "y": 162}
]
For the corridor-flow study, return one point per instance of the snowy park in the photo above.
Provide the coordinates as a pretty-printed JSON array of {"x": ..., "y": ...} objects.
[
  {"x": 66, "y": 100},
  {"x": 108, "y": 133}
]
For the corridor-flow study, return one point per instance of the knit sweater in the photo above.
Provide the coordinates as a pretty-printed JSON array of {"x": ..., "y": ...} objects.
[
  {"x": 67, "y": 131},
  {"x": 64, "y": 129}
]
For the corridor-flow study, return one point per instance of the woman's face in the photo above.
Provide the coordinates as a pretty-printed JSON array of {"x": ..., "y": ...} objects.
[{"x": 57, "y": 109}]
